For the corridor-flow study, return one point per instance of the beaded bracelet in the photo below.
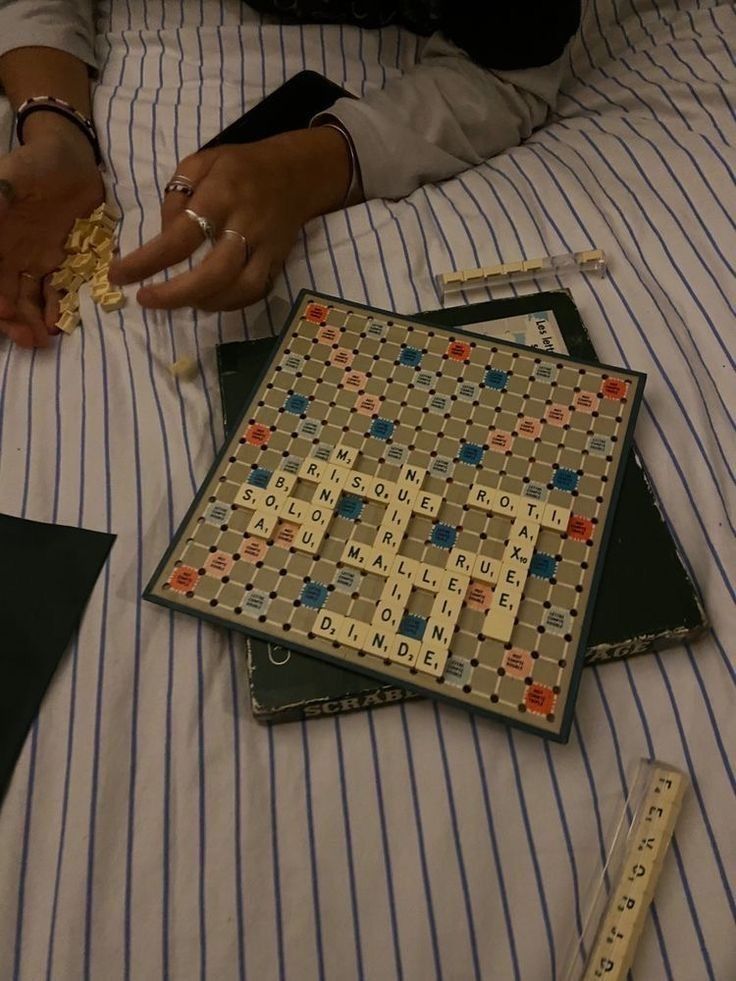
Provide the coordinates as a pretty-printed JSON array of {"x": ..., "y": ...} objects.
[{"x": 49, "y": 103}]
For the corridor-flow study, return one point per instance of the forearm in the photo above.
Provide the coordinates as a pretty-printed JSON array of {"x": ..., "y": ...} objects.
[
  {"x": 31, "y": 71},
  {"x": 443, "y": 116},
  {"x": 64, "y": 26}
]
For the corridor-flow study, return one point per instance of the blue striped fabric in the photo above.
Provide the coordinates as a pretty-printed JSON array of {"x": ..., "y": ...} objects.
[{"x": 152, "y": 829}]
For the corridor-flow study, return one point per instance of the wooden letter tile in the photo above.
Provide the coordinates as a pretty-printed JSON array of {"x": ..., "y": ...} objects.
[
  {"x": 311, "y": 470},
  {"x": 293, "y": 510},
  {"x": 485, "y": 569},
  {"x": 352, "y": 633},
  {"x": 498, "y": 625},
  {"x": 262, "y": 524},
  {"x": 431, "y": 660},
  {"x": 327, "y": 624},
  {"x": 344, "y": 456},
  {"x": 555, "y": 517},
  {"x": 405, "y": 650}
]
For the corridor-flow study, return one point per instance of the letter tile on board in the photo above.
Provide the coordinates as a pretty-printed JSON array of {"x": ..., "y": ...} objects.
[
  {"x": 404, "y": 650},
  {"x": 555, "y": 518},
  {"x": 335, "y": 476},
  {"x": 311, "y": 470},
  {"x": 427, "y": 504},
  {"x": 453, "y": 583},
  {"x": 352, "y": 633},
  {"x": 356, "y": 555},
  {"x": 387, "y": 616},
  {"x": 431, "y": 660},
  {"x": 519, "y": 553},
  {"x": 412, "y": 475},
  {"x": 427, "y": 577},
  {"x": 404, "y": 568},
  {"x": 379, "y": 563},
  {"x": 344, "y": 456},
  {"x": 396, "y": 591},
  {"x": 447, "y": 607},
  {"x": 485, "y": 569},
  {"x": 460, "y": 560},
  {"x": 404, "y": 496},
  {"x": 481, "y": 497},
  {"x": 308, "y": 539},
  {"x": 505, "y": 503},
  {"x": 438, "y": 634},
  {"x": 378, "y": 641},
  {"x": 249, "y": 496},
  {"x": 293, "y": 510},
  {"x": 511, "y": 578},
  {"x": 389, "y": 539},
  {"x": 271, "y": 501},
  {"x": 379, "y": 490},
  {"x": 358, "y": 483},
  {"x": 506, "y": 600},
  {"x": 499, "y": 625},
  {"x": 326, "y": 494},
  {"x": 282, "y": 483},
  {"x": 262, "y": 524},
  {"x": 327, "y": 624},
  {"x": 319, "y": 516},
  {"x": 396, "y": 516},
  {"x": 524, "y": 530},
  {"x": 530, "y": 510}
]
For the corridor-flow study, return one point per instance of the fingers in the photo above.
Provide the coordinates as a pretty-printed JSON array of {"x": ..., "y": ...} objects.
[
  {"x": 179, "y": 236},
  {"x": 174, "y": 244},
  {"x": 253, "y": 283},
  {"x": 213, "y": 275}
]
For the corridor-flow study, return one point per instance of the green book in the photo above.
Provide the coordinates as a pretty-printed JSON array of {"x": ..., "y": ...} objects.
[{"x": 646, "y": 598}]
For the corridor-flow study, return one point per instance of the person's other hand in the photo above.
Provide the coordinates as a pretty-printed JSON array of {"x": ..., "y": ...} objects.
[
  {"x": 44, "y": 186},
  {"x": 264, "y": 191}
]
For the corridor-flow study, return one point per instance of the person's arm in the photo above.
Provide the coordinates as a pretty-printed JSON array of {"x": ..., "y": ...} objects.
[
  {"x": 448, "y": 113},
  {"x": 46, "y": 48},
  {"x": 66, "y": 26}
]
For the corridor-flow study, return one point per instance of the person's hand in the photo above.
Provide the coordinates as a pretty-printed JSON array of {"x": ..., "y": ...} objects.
[
  {"x": 44, "y": 186},
  {"x": 262, "y": 191}
]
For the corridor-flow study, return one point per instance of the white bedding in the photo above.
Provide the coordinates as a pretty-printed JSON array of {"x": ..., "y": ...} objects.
[{"x": 152, "y": 829}]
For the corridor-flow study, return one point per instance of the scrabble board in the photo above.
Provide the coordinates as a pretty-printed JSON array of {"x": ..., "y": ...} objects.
[{"x": 426, "y": 506}]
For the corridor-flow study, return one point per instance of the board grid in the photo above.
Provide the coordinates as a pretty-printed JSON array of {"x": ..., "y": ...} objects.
[{"x": 422, "y": 504}]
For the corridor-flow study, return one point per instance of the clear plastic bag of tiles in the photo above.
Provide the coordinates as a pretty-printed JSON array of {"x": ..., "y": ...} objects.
[{"x": 425, "y": 506}]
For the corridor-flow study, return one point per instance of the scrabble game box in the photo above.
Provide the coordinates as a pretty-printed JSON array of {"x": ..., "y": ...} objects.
[{"x": 629, "y": 617}]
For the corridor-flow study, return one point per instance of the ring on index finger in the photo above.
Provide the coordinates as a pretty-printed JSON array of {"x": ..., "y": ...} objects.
[
  {"x": 205, "y": 225},
  {"x": 180, "y": 183}
]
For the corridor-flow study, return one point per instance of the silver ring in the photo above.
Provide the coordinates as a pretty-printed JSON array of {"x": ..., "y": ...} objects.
[
  {"x": 235, "y": 234},
  {"x": 178, "y": 185},
  {"x": 205, "y": 225},
  {"x": 183, "y": 180}
]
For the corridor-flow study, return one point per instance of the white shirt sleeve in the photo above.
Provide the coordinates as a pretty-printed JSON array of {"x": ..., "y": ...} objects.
[
  {"x": 444, "y": 115},
  {"x": 67, "y": 25}
]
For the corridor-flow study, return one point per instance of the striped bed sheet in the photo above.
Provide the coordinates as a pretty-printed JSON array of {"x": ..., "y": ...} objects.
[{"x": 152, "y": 829}]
